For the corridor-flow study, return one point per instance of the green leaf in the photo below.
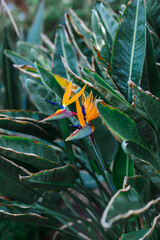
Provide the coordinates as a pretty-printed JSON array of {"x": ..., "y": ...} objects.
[
  {"x": 136, "y": 235},
  {"x": 139, "y": 183},
  {"x": 100, "y": 36},
  {"x": 142, "y": 234},
  {"x": 81, "y": 29},
  {"x": 101, "y": 136},
  {"x": 56, "y": 179},
  {"x": 85, "y": 53},
  {"x": 23, "y": 114},
  {"x": 153, "y": 17},
  {"x": 129, "y": 47},
  {"x": 17, "y": 58},
  {"x": 50, "y": 82},
  {"x": 12, "y": 169},
  {"x": 12, "y": 188},
  {"x": 12, "y": 90},
  {"x": 64, "y": 48},
  {"x": 153, "y": 75},
  {"x": 24, "y": 150},
  {"x": 37, "y": 94},
  {"x": 122, "y": 167},
  {"x": 30, "y": 218},
  {"x": 107, "y": 92},
  {"x": 147, "y": 105},
  {"x": 30, "y": 128},
  {"x": 109, "y": 22},
  {"x": 34, "y": 34},
  {"x": 34, "y": 53},
  {"x": 125, "y": 204},
  {"x": 144, "y": 160},
  {"x": 119, "y": 123}
]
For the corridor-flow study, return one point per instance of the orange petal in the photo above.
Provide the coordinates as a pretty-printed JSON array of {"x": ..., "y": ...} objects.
[
  {"x": 67, "y": 94},
  {"x": 80, "y": 114},
  {"x": 73, "y": 99}
]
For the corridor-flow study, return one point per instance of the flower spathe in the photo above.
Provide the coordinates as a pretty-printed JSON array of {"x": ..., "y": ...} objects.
[
  {"x": 85, "y": 113},
  {"x": 63, "y": 113}
]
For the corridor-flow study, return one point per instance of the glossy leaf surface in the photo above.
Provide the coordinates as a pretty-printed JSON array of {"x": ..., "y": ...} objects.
[{"x": 129, "y": 47}]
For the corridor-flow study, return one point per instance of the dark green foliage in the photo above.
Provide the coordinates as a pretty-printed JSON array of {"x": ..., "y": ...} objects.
[{"x": 114, "y": 59}]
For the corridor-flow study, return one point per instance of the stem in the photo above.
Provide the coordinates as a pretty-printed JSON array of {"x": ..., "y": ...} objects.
[
  {"x": 127, "y": 166},
  {"x": 68, "y": 145},
  {"x": 102, "y": 168}
]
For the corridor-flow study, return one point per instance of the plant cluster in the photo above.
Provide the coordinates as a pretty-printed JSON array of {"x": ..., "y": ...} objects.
[{"x": 101, "y": 181}]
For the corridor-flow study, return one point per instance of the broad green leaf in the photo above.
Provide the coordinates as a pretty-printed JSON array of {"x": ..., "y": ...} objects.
[
  {"x": 37, "y": 94},
  {"x": 34, "y": 34},
  {"x": 50, "y": 130},
  {"x": 136, "y": 235},
  {"x": 10, "y": 210},
  {"x": 30, "y": 218},
  {"x": 153, "y": 16},
  {"x": 109, "y": 22},
  {"x": 100, "y": 36},
  {"x": 103, "y": 135},
  {"x": 17, "y": 58},
  {"x": 64, "y": 48},
  {"x": 34, "y": 153},
  {"x": 30, "y": 128},
  {"x": 108, "y": 93},
  {"x": 129, "y": 47},
  {"x": 23, "y": 114},
  {"x": 12, "y": 188},
  {"x": 34, "y": 53},
  {"x": 81, "y": 29},
  {"x": 156, "y": 43},
  {"x": 11, "y": 168},
  {"x": 122, "y": 167},
  {"x": 144, "y": 160},
  {"x": 142, "y": 152},
  {"x": 142, "y": 234},
  {"x": 56, "y": 179},
  {"x": 125, "y": 204},
  {"x": 147, "y": 105},
  {"x": 153, "y": 75},
  {"x": 85, "y": 53},
  {"x": 119, "y": 123},
  {"x": 103, "y": 64},
  {"x": 50, "y": 82},
  {"x": 144, "y": 128},
  {"x": 139, "y": 183}
]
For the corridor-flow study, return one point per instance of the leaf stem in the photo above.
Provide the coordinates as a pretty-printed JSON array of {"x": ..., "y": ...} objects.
[{"x": 102, "y": 168}]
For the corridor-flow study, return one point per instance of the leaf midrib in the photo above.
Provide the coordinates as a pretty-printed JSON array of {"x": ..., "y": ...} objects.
[{"x": 133, "y": 45}]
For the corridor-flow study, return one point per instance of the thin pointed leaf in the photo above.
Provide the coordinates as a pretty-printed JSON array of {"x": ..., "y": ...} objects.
[{"x": 34, "y": 34}]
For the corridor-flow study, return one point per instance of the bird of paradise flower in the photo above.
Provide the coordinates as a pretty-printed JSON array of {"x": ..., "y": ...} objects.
[
  {"x": 63, "y": 113},
  {"x": 86, "y": 112}
]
